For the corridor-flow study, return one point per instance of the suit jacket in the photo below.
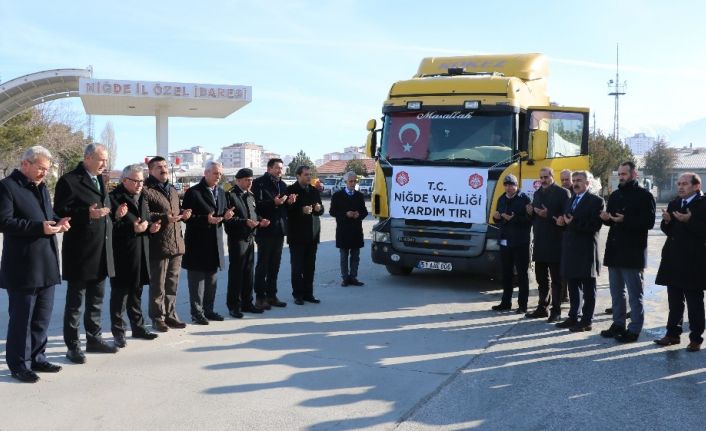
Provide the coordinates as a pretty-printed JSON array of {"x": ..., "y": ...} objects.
[
  {"x": 547, "y": 235},
  {"x": 87, "y": 248},
  {"x": 169, "y": 241},
  {"x": 304, "y": 229},
  {"x": 30, "y": 259},
  {"x": 130, "y": 250},
  {"x": 204, "y": 241},
  {"x": 579, "y": 248},
  {"x": 265, "y": 189},
  {"x": 626, "y": 246},
  {"x": 349, "y": 232},
  {"x": 237, "y": 228},
  {"x": 684, "y": 252}
]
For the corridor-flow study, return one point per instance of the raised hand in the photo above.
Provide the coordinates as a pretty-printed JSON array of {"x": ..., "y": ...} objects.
[
  {"x": 605, "y": 216},
  {"x": 560, "y": 221},
  {"x": 156, "y": 226},
  {"x": 618, "y": 218},
  {"x": 264, "y": 222},
  {"x": 121, "y": 211},
  {"x": 666, "y": 216},
  {"x": 682, "y": 217},
  {"x": 541, "y": 212},
  {"x": 139, "y": 225},
  {"x": 317, "y": 207},
  {"x": 291, "y": 199},
  {"x": 174, "y": 219},
  {"x": 530, "y": 209},
  {"x": 279, "y": 200},
  {"x": 568, "y": 218},
  {"x": 95, "y": 213},
  {"x": 214, "y": 220},
  {"x": 230, "y": 212},
  {"x": 186, "y": 214},
  {"x": 307, "y": 209},
  {"x": 50, "y": 227},
  {"x": 63, "y": 224},
  {"x": 252, "y": 224},
  {"x": 508, "y": 217}
]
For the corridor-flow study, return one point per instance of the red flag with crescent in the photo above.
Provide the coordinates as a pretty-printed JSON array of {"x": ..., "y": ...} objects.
[{"x": 408, "y": 137}]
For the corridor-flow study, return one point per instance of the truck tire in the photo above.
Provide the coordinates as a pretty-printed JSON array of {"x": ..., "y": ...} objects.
[{"x": 399, "y": 270}]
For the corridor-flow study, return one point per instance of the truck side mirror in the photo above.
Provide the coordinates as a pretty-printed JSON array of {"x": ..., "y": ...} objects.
[
  {"x": 539, "y": 140},
  {"x": 371, "y": 142}
]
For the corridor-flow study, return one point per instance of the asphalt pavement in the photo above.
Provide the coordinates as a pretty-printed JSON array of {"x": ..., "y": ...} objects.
[{"x": 408, "y": 353}]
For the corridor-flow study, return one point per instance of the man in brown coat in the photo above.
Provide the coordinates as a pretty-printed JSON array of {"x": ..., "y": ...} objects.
[{"x": 166, "y": 246}]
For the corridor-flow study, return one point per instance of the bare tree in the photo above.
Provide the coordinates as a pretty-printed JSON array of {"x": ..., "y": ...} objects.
[{"x": 108, "y": 139}]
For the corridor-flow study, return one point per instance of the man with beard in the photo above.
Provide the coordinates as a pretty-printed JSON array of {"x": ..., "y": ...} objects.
[
  {"x": 548, "y": 202},
  {"x": 630, "y": 215},
  {"x": 131, "y": 230},
  {"x": 87, "y": 250},
  {"x": 166, "y": 246},
  {"x": 29, "y": 269},
  {"x": 580, "y": 263}
]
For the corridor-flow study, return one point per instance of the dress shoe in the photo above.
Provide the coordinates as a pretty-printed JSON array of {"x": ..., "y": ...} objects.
[
  {"x": 212, "y": 315},
  {"x": 252, "y": 309},
  {"x": 521, "y": 310},
  {"x": 581, "y": 327},
  {"x": 236, "y": 314},
  {"x": 568, "y": 323},
  {"x": 144, "y": 334},
  {"x": 554, "y": 317},
  {"x": 45, "y": 367},
  {"x": 344, "y": 282},
  {"x": 160, "y": 325},
  {"x": 627, "y": 337},
  {"x": 668, "y": 341},
  {"x": 199, "y": 320},
  {"x": 537, "y": 314},
  {"x": 262, "y": 303},
  {"x": 298, "y": 301},
  {"x": 76, "y": 356},
  {"x": 100, "y": 347},
  {"x": 275, "y": 302},
  {"x": 311, "y": 299},
  {"x": 609, "y": 310},
  {"x": 693, "y": 347},
  {"x": 355, "y": 282},
  {"x": 25, "y": 376},
  {"x": 613, "y": 332},
  {"x": 501, "y": 307},
  {"x": 119, "y": 341},
  {"x": 173, "y": 323}
]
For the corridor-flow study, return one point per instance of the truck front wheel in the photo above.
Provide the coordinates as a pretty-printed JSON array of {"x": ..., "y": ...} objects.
[{"x": 399, "y": 270}]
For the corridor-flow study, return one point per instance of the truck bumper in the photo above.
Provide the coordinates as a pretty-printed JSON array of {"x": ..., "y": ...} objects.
[{"x": 486, "y": 263}]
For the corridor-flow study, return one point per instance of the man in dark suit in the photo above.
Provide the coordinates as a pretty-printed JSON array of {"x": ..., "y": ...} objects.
[
  {"x": 348, "y": 208},
  {"x": 241, "y": 245},
  {"x": 580, "y": 262},
  {"x": 87, "y": 250},
  {"x": 204, "y": 241},
  {"x": 630, "y": 215},
  {"x": 271, "y": 203},
  {"x": 131, "y": 230},
  {"x": 515, "y": 225},
  {"x": 304, "y": 230},
  {"x": 548, "y": 202},
  {"x": 683, "y": 258},
  {"x": 29, "y": 269}
]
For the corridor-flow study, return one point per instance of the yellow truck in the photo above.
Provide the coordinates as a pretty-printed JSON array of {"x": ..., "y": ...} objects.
[{"x": 448, "y": 135}]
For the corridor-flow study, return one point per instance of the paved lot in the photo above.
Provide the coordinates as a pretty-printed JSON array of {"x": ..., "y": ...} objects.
[{"x": 418, "y": 352}]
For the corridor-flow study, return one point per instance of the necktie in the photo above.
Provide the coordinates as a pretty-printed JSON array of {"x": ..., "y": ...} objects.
[
  {"x": 575, "y": 204},
  {"x": 96, "y": 183},
  {"x": 215, "y": 195},
  {"x": 684, "y": 202}
]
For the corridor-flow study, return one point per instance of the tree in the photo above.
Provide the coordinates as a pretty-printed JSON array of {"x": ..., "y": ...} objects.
[
  {"x": 659, "y": 162},
  {"x": 606, "y": 154},
  {"x": 18, "y": 134},
  {"x": 300, "y": 159},
  {"x": 357, "y": 166},
  {"x": 108, "y": 140}
]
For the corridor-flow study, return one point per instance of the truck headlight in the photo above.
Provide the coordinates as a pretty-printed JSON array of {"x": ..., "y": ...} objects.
[
  {"x": 492, "y": 245},
  {"x": 381, "y": 237}
]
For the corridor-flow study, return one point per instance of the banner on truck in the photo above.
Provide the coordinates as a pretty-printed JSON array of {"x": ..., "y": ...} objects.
[{"x": 439, "y": 193}]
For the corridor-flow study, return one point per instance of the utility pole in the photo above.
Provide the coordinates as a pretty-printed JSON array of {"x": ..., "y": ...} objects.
[{"x": 617, "y": 89}]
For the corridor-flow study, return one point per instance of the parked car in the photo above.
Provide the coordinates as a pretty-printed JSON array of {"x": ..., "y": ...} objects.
[
  {"x": 365, "y": 186},
  {"x": 329, "y": 184},
  {"x": 340, "y": 185}
]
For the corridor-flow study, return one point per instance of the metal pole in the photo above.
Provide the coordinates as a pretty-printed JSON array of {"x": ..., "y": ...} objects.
[{"x": 162, "y": 134}]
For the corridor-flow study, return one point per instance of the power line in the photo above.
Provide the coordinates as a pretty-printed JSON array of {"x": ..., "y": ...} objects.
[{"x": 617, "y": 89}]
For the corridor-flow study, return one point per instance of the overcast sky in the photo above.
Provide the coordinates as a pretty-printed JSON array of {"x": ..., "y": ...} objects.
[{"x": 319, "y": 70}]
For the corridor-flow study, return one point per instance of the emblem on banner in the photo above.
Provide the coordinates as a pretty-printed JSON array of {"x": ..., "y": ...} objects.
[
  {"x": 402, "y": 178},
  {"x": 475, "y": 181}
]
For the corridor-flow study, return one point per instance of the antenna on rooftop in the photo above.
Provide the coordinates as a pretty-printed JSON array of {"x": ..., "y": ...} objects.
[{"x": 617, "y": 89}]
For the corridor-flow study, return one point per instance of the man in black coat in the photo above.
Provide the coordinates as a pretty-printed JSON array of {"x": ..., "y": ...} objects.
[
  {"x": 548, "y": 202},
  {"x": 683, "y": 258},
  {"x": 348, "y": 208},
  {"x": 131, "y": 230},
  {"x": 241, "y": 245},
  {"x": 29, "y": 269},
  {"x": 271, "y": 203},
  {"x": 630, "y": 215},
  {"x": 580, "y": 262},
  {"x": 515, "y": 225},
  {"x": 87, "y": 250},
  {"x": 304, "y": 230},
  {"x": 204, "y": 241}
]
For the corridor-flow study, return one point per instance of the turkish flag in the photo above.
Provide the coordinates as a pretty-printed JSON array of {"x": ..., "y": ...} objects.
[{"x": 408, "y": 137}]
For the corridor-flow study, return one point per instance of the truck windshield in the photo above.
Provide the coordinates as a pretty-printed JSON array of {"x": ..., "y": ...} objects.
[{"x": 481, "y": 138}]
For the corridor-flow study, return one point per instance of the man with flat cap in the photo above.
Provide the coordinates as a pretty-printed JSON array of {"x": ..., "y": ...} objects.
[{"x": 241, "y": 231}]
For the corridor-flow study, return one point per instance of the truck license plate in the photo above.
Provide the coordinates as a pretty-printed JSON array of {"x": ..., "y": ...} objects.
[{"x": 443, "y": 266}]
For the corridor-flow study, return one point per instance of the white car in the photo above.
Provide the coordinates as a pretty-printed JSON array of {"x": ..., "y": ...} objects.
[
  {"x": 329, "y": 185},
  {"x": 365, "y": 186}
]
